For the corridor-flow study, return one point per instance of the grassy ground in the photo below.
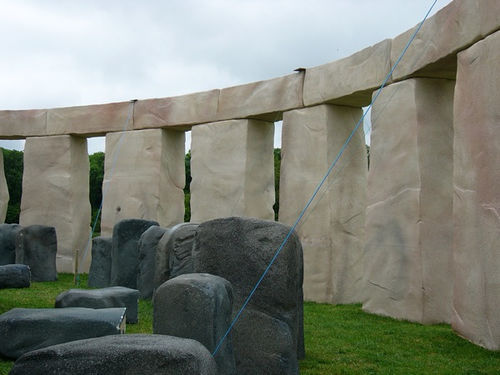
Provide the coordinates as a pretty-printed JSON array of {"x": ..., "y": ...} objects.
[{"x": 339, "y": 339}]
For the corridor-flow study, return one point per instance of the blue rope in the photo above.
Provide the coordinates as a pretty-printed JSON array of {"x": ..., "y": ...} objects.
[{"x": 344, "y": 146}]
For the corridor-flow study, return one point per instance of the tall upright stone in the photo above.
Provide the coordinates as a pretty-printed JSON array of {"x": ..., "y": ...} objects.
[
  {"x": 476, "y": 203},
  {"x": 56, "y": 193},
  {"x": 144, "y": 177},
  {"x": 408, "y": 253},
  {"x": 232, "y": 169},
  {"x": 4, "y": 191},
  {"x": 332, "y": 231}
]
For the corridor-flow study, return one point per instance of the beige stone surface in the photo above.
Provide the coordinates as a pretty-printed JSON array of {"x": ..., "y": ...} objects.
[
  {"x": 408, "y": 251},
  {"x": 4, "y": 191},
  {"x": 476, "y": 210},
  {"x": 453, "y": 28},
  {"x": 332, "y": 230},
  {"x": 22, "y": 123},
  {"x": 232, "y": 167},
  {"x": 195, "y": 108},
  {"x": 143, "y": 178},
  {"x": 349, "y": 81},
  {"x": 264, "y": 100},
  {"x": 56, "y": 193}
]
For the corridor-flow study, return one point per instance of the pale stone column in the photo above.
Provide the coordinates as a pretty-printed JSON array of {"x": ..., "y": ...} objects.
[
  {"x": 332, "y": 230},
  {"x": 408, "y": 252},
  {"x": 56, "y": 193},
  {"x": 144, "y": 177},
  {"x": 476, "y": 204},
  {"x": 4, "y": 191},
  {"x": 232, "y": 169}
]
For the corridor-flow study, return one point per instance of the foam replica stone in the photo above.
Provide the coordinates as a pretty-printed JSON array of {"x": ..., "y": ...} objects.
[
  {"x": 408, "y": 252},
  {"x": 56, "y": 193},
  {"x": 174, "y": 253},
  {"x": 197, "y": 306},
  {"x": 239, "y": 250},
  {"x": 4, "y": 191},
  {"x": 143, "y": 177},
  {"x": 125, "y": 251},
  {"x": 120, "y": 354},
  {"x": 476, "y": 199},
  {"x": 8, "y": 234},
  {"x": 36, "y": 246},
  {"x": 100, "y": 268},
  {"x": 15, "y": 276},
  {"x": 147, "y": 258},
  {"x": 24, "y": 330},
  {"x": 117, "y": 296}
]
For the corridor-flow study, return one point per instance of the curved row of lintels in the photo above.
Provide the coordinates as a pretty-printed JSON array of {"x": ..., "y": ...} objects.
[{"x": 349, "y": 81}]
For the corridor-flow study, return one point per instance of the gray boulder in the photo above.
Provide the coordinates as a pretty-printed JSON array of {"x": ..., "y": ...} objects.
[
  {"x": 239, "y": 250},
  {"x": 148, "y": 244},
  {"x": 125, "y": 251},
  {"x": 100, "y": 267},
  {"x": 197, "y": 306},
  {"x": 36, "y": 246},
  {"x": 117, "y": 355},
  {"x": 8, "y": 233},
  {"x": 117, "y": 296},
  {"x": 15, "y": 276},
  {"x": 24, "y": 330}
]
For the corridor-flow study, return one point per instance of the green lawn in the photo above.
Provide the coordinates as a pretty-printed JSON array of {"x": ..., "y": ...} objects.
[{"x": 339, "y": 339}]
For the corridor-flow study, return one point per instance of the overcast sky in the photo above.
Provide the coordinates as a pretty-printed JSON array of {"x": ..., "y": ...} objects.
[{"x": 66, "y": 53}]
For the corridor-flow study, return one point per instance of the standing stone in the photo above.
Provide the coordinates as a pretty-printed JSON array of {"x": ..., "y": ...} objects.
[
  {"x": 8, "y": 234},
  {"x": 15, "y": 276},
  {"x": 476, "y": 203},
  {"x": 125, "y": 251},
  {"x": 36, "y": 246},
  {"x": 144, "y": 177},
  {"x": 239, "y": 250},
  {"x": 233, "y": 170},
  {"x": 4, "y": 191},
  {"x": 332, "y": 230},
  {"x": 100, "y": 268},
  {"x": 148, "y": 244},
  {"x": 197, "y": 306},
  {"x": 56, "y": 193},
  {"x": 410, "y": 194}
]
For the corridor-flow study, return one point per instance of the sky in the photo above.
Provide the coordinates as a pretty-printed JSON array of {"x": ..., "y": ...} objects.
[{"x": 81, "y": 52}]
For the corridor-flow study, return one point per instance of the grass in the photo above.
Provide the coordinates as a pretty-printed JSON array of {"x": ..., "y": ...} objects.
[{"x": 339, "y": 339}]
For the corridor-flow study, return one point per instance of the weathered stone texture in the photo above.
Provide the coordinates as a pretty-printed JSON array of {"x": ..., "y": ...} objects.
[
  {"x": 23, "y": 123},
  {"x": 332, "y": 231},
  {"x": 148, "y": 244},
  {"x": 476, "y": 204},
  {"x": 4, "y": 191},
  {"x": 8, "y": 234},
  {"x": 408, "y": 252},
  {"x": 56, "y": 193},
  {"x": 15, "y": 276},
  {"x": 143, "y": 177},
  {"x": 100, "y": 268},
  {"x": 232, "y": 169}
]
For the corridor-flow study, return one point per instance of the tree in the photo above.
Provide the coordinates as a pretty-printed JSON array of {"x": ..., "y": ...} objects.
[
  {"x": 277, "y": 168},
  {"x": 96, "y": 162},
  {"x": 13, "y": 166}
]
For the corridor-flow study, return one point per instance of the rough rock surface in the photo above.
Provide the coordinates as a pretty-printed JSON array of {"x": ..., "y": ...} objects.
[
  {"x": 24, "y": 330},
  {"x": 15, "y": 276},
  {"x": 8, "y": 234},
  {"x": 116, "y": 296},
  {"x": 148, "y": 244},
  {"x": 36, "y": 246},
  {"x": 197, "y": 306},
  {"x": 100, "y": 267}
]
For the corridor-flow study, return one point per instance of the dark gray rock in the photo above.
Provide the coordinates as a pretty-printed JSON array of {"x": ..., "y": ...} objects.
[
  {"x": 173, "y": 257},
  {"x": 24, "y": 330},
  {"x": 125, "y": 251},
  {"x": 15, "y": 276},
  {"x": 100, "y": 267},
  {"x": 239, "y": 250},
  {"x": 117, "y": 355},
  {"x": 148, "y": 244},
  {"x": 117, "y": 296},
  {"x": 36, "y": 246},
  {"x": 197, "y": 306},
  {"x": 8, "y": 233}
]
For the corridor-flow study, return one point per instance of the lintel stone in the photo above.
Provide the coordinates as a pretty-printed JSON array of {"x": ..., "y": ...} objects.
[{"x": 23, "y": 123}]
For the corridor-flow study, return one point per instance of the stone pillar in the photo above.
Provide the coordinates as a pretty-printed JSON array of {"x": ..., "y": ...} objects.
[
  {"x": 408, "y": 252},
  {"x": 144, "y": 178},
  {"x": 4, "y": 191},
  {"x": 56, "y": 193},
  {"x": 476, "y": 204},
  {"x": 332, "y": 230},
  {"x": 232, "y": 167}
]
